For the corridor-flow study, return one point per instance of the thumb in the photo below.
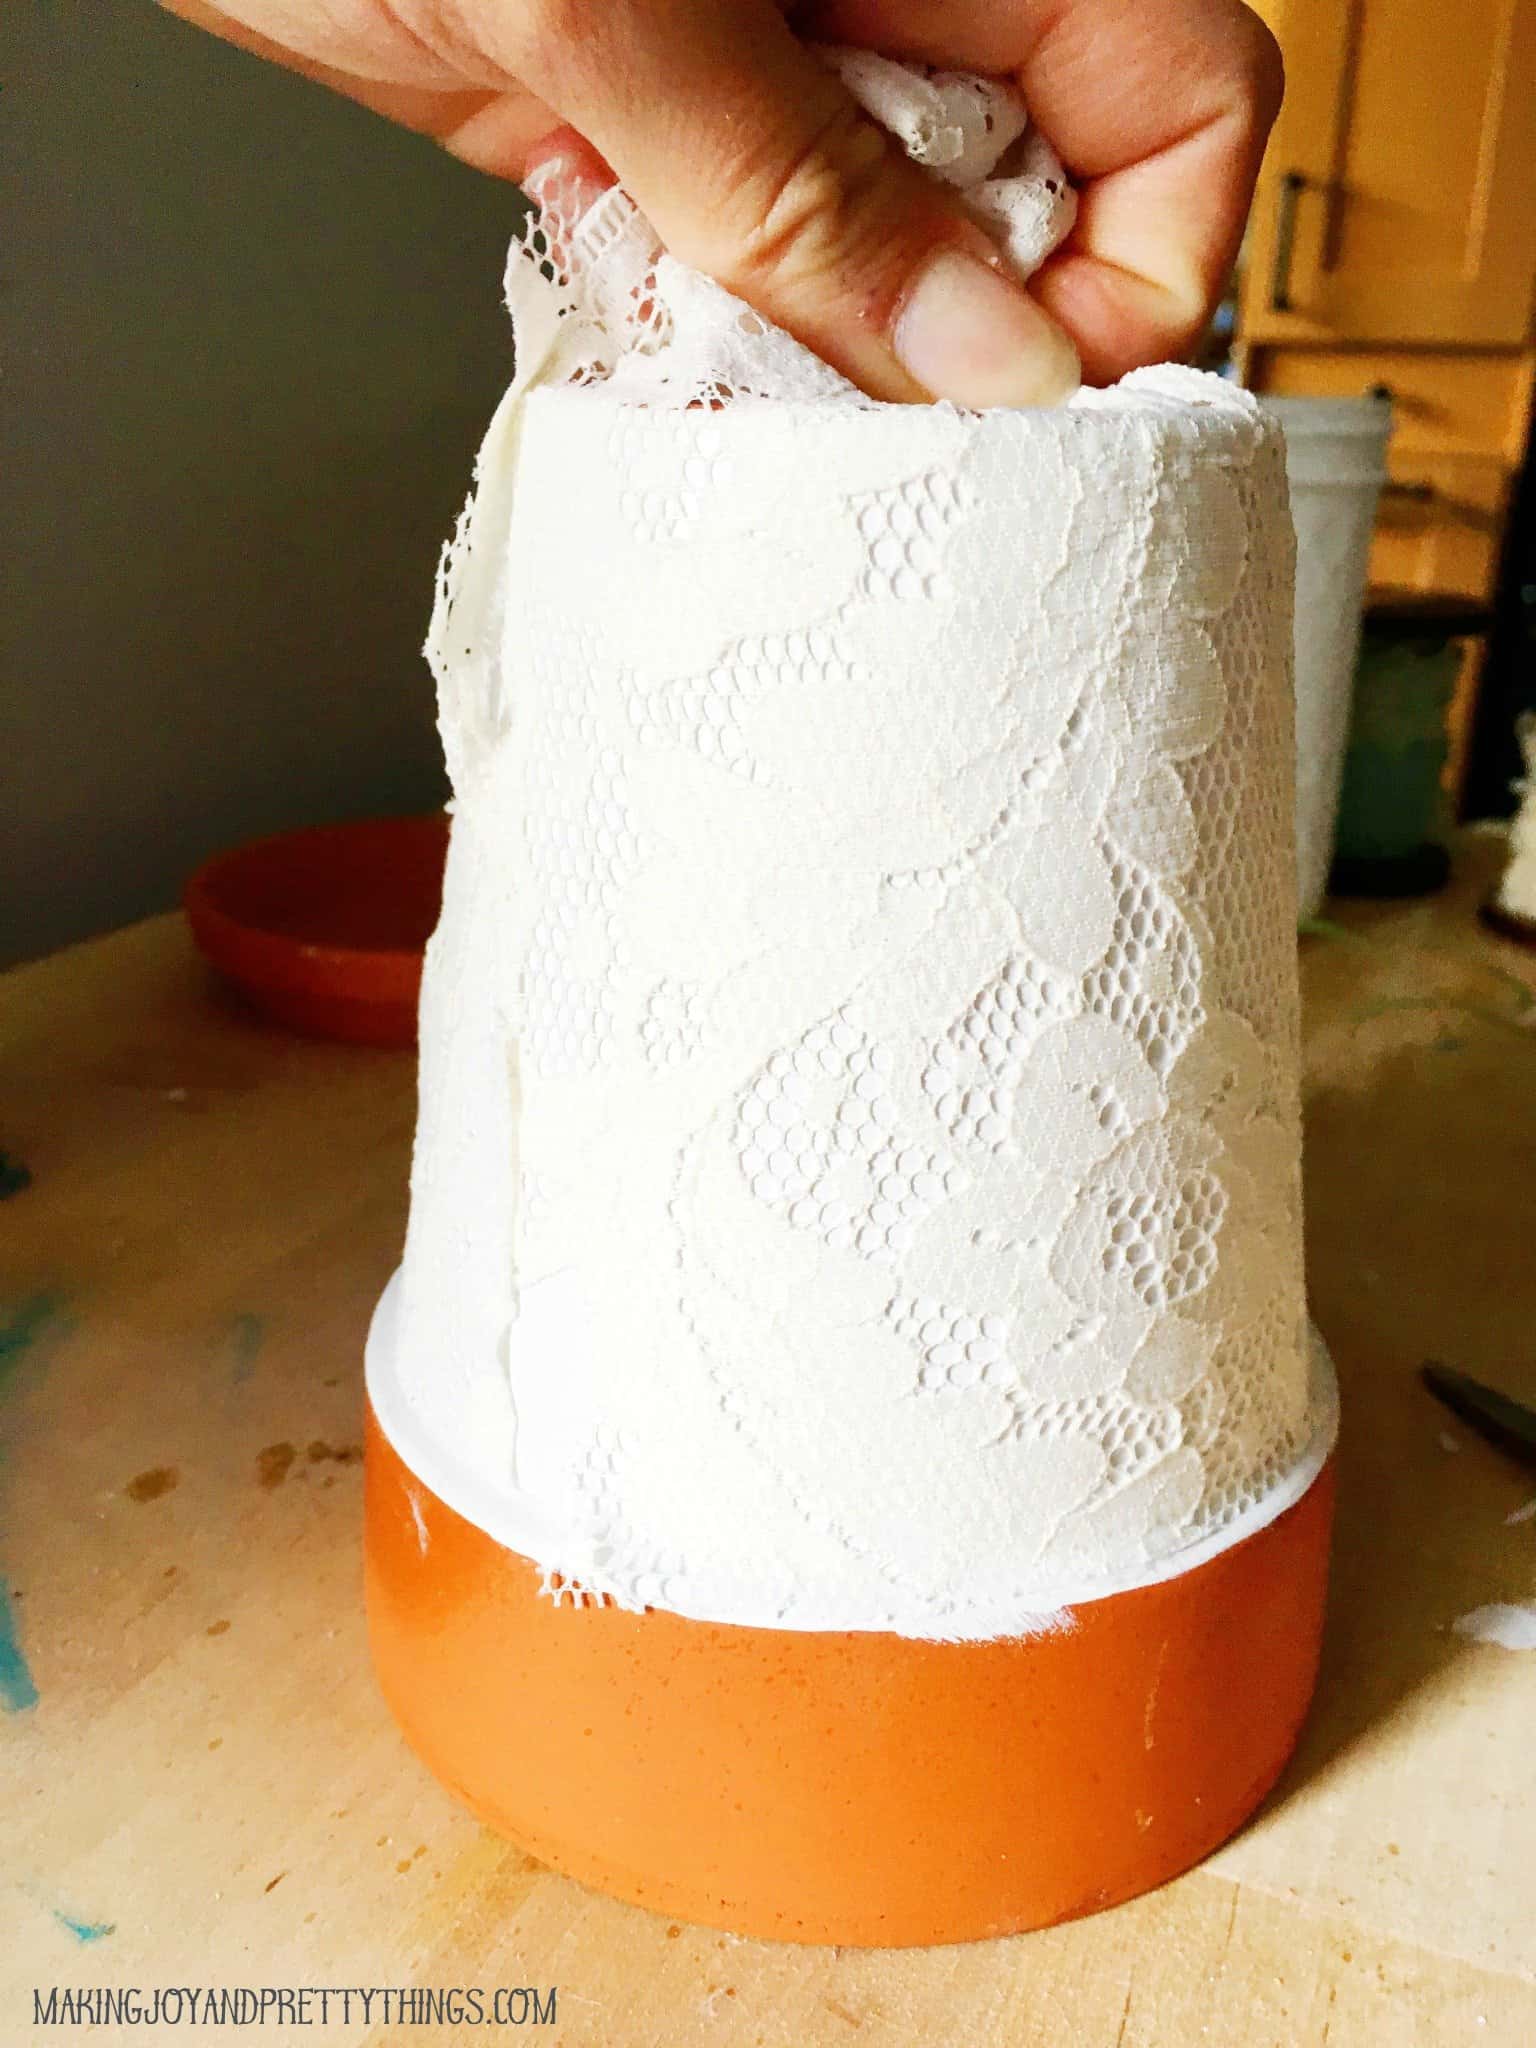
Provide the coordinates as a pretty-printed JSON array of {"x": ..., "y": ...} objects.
[{"x": 755, "y": 166}]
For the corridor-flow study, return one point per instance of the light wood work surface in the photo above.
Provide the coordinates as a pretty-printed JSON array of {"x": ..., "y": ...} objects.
[{"x": 206, "y": 1790}]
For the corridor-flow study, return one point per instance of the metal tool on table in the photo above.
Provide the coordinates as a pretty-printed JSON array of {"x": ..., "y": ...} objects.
[{"x": 1501, "y": 1419}]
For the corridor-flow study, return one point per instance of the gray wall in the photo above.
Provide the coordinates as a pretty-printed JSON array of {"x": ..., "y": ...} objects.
[{"x": 249, "y": 337}]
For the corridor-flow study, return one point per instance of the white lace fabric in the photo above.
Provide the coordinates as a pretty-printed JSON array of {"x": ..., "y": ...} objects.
[
  {"x": 857, "y": 1180},
  {"x": 1517, "y": 885}
]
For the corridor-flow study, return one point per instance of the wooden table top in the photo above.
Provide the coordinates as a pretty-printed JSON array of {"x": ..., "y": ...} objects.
[{"x": 200, "y": 1787}]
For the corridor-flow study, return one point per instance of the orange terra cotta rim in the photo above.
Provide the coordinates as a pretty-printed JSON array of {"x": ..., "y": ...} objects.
[
  {"x": 842, "y": 1787},
  {"x": 325, "y": 929}
]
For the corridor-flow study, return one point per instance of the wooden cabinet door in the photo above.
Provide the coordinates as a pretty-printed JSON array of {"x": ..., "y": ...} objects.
[
  {"x": 1440, "y": 526},
  {"x": 1458, "y": 431},
  {"x": 1398, "y": 200}
]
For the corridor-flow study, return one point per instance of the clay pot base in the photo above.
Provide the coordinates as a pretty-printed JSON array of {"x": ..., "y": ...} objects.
[{"x": 856, "y": 1788}]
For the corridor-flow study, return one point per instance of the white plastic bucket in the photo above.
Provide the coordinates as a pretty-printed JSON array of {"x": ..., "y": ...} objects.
[{"x": 1336, "y": 450}]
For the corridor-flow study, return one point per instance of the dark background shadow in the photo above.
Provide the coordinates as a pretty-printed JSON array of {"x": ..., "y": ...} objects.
[{"x": 250, "y": 336}]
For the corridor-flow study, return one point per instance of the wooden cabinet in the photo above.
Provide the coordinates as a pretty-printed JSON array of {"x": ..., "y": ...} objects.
[
  {"x": 1441, "y": 529},
  {"x": 1399, "y": 196},
  {"x": 1458, "y": 434},
  {"x": 1393, "y": 244}
]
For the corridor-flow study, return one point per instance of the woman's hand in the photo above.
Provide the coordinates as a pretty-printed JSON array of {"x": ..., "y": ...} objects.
[{"x": 754, "y": 165}]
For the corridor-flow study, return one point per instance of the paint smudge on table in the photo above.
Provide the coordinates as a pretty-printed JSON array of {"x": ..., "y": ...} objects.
[
  {"x": 14, "y": 1177},
  {"x": 344, "y": 1454},
  {"x": 247, "y": 1333},
  {"x": 275, "y": 1462},
  {"x": 160, "y": 1479},
  {"x": 18, "y": 1692},
  {"x": 85, "y": 1931},
  {"x": 272, "y": 1465},
  {"x": 27, "y": 1328}
]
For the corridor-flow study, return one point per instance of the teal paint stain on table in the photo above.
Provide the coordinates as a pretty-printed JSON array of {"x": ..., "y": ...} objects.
[
  {"x": 18, "y": 1692},
  {"x": 246, "y": 1336},
  {"x": 85, "y": 1930},
  {"x": 26, "y": 1328}
]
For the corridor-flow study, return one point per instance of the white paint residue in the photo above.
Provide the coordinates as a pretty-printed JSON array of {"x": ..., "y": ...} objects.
[
  {"x": 1510, "y": 1624},
  {"x": 1449, "y": 1442},
  {"x": 1523, "y": 1513},
  {"x": 1157, "y": 1686},
  {"x": 423, "y": 1540}
]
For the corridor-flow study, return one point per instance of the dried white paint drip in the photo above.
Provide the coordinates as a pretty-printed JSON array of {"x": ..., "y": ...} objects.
[
  {"x": 857, "y": 1181},
  {"x": 1510, "y": 1625}
]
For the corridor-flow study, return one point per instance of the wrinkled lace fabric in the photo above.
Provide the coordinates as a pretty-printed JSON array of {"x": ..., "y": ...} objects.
[{"x": 857, "y": 1175}]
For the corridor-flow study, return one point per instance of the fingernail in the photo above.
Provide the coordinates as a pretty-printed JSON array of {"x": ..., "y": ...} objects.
[{"x": 967, "y": 334}]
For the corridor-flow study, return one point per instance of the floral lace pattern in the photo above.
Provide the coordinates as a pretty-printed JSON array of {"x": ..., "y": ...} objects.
[{"x": 858, "y": 1174}]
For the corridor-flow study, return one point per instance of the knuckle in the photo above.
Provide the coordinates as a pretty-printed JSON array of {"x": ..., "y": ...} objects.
[
  {"x": 1263, "y": 68},
  {"x": 821, "y": 216},
  {"x": 551, "y": 41}
]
